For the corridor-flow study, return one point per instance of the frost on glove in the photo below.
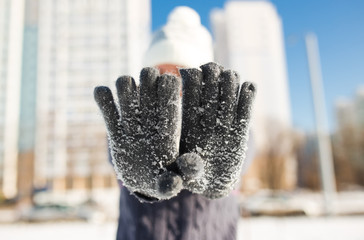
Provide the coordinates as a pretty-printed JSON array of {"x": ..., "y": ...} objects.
[
  {"x": 144, "y": 132},
  {"x": 215, "y": 124}
]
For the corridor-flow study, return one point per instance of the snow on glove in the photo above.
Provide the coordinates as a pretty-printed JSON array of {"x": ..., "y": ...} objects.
[
  {"x": 144, "y": 132},
  {"x": 216, "y": 114}
]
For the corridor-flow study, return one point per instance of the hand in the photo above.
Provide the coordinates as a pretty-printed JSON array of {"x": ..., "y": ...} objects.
[
  {"x": 215, "y": 125},
  {"x": 144, "y": 132}
]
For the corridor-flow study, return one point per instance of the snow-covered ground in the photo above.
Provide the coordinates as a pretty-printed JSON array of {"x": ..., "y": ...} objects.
[
  {"x": 290, "y": 228},
  {"x": 297, "y": 228}
]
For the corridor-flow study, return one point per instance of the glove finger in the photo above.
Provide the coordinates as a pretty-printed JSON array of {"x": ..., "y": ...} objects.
[
  {"x": 148, "y": 98},
  {"x": 169, "y": 117},
  {"x": 210, "y": 94},
  {"x": 105, "y": 101},
  {"x": 245, "y": 104},
  {"x": 229, "y": 85},
  {"x": 128, "y": 102},
  {"x": 169, "y": 184},
  {"x": 191, "y": 80}
]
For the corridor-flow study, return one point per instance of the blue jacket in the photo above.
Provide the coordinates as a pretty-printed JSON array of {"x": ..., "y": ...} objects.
[{"x": 185, "y": 217}]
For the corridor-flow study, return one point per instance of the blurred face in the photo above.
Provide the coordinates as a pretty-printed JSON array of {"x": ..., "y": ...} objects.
[{"x": 169, "y": 68}]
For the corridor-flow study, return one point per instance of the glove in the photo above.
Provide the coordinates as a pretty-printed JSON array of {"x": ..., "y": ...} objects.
[
  {"x": 144, "y": 132},
  {"x": 215, "y": 123}
]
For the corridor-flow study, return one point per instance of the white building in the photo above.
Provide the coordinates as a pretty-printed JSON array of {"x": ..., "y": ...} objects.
[
  {"x": 360, "y": 107},
  {"x": 82, "y": 44},
  {"x": 249, "y": 39},
  {"x": 345, "y": 113},
  {"x": 350, "y": 116},
  {"x": 11, "y": 40}
]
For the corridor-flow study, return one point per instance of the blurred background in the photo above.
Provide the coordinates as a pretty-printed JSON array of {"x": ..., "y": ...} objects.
[{"x": 306, "y": 57}]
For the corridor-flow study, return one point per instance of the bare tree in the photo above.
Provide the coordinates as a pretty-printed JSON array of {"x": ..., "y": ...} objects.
[
  {"x": 349, "y": 155},
  {"x": 275, "y": 161}
]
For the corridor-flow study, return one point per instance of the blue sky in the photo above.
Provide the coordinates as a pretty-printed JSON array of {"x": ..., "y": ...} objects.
[{"x": 339, "y": 26}]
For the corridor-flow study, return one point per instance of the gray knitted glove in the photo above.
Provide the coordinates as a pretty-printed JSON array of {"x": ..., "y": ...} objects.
[
  {"x": 144, "y": 132},
  {"x": 216, "y": 114}
]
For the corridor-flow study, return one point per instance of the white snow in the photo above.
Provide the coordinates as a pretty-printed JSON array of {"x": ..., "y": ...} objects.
[
  {"x": 334, "y": 228},
  {"x": 297, "y": 228}
]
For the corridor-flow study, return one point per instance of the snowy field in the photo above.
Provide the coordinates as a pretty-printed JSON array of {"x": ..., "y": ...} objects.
[
  {"x": 301, "y": 228},
  {"x": 336, "y": 228}
]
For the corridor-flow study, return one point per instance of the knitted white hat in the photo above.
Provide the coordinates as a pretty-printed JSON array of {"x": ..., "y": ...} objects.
[{"x": 182, "y": 41}]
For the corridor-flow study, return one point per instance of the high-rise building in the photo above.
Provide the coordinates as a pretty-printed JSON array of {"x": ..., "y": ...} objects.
[
  {"x": 27, "y": 120},
  {"x": 360, "y": 107},
  {"x": 350, "y": 116},
  {"x": 249, "y": 39},
  {"x": 82, "y": 44},
  {"x": 11, "y": 40},
  {"x": 345, "y": 114}
]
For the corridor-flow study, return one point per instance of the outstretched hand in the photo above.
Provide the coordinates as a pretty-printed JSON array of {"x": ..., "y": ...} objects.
[
  {"x": 215, "y": 124},
  {"x": 144, "y": 132}
]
